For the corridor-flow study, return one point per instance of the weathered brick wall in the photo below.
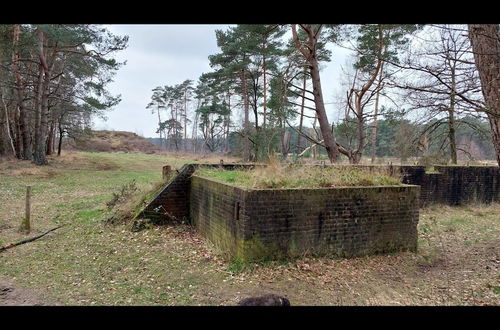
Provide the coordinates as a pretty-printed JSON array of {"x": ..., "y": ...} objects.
[
  {"x": 172, "y": 201},
  {"x": 454, "y": 185},
  {"x": 450, "y": 185},
  {"x": 260, "y": 224},
  {"x": 214, "y": 212}
]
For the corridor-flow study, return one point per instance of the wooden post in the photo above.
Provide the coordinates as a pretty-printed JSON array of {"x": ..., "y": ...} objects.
[
  {"x": 26, "y": 226},
  {"x": 166, "y": 171}
]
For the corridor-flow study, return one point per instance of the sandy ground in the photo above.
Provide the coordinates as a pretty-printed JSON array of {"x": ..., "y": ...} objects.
[{"x": 15, "y": 296}]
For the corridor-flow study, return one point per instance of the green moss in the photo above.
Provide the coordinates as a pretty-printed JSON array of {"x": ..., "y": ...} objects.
[
  {"x": 496, "y": 289},
  {"x": 241, "y": 251},
  {"x": 255, "y": 250},
  {"x": 431, "y": 170}
]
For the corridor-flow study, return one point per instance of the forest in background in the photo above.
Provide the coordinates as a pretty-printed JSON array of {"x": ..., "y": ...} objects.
[
  {"x": 407, "y": 91},
  {"x": 53, "y": 80},
  {"x": 472, "y": 145}
]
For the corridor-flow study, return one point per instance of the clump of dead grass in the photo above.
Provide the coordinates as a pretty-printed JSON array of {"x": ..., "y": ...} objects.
[
  {"x": 129, "y": 200},
  {"x": 276, "y": 175}
]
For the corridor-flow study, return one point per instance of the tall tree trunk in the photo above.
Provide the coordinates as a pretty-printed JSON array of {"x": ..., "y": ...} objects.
[
  {"x": 375, "y": 116},
  {"x": 326, "y": 131},
  {"x": 309, "y": 53},
  {"x": 359, "y": 106},
  {"x": 8, "y": 127},
  {"x": 50, "y": 138},
  {"x": 38, "y": 107},
  {"x": 41, "y": 145},
  {"x": 195, "y": 129},
  {"x": 23, "y": 119},
  {"x": 301, "y": 118},
  {"x": 228, "y": 122},
  {"x": 451, "y": 120},
  {"x": 265, "y": 96},
  {"x": 39, "y": 156},
  {"x": 61, "y": 134},
  {"x": 159, "y": 123},
  {"x": 246, "y": 124},
  {"x": 185, "y": 121},
  {"x": 485, "y": 40}
]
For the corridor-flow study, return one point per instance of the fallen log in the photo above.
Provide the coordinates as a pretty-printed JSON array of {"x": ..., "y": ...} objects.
[{"x": 8, "y": 246}]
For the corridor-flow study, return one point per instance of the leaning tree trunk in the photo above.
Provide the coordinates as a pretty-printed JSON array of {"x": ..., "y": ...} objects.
[
  {"x": 308, "y": 49},
  {"x": 326, "y": 132},
  {"x": 330, "y": 144},
  {"x": 485, "y": 40}
]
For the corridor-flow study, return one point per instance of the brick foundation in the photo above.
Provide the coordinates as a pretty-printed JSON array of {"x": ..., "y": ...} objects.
[
  {"x": 268, "y": 224},
  {"x": 451, "y": 185}
]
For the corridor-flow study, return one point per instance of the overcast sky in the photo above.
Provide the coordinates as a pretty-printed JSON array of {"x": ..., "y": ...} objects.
[{"x": 160, "y": 55}]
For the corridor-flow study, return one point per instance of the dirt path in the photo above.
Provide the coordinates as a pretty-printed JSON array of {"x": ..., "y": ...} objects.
[{"x": 11, "y": 295}]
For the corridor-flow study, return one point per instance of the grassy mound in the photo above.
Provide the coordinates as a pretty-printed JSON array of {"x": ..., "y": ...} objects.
[{"x": 113, "y": 141}]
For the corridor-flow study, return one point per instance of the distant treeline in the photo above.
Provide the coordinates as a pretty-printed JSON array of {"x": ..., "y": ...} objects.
[
  {"x": 396, "y": 137},
  {"x": 264, "y": 94}
]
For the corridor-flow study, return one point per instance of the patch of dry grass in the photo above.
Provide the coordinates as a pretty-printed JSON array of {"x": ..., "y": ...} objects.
[{"x": 281, "y": 176}]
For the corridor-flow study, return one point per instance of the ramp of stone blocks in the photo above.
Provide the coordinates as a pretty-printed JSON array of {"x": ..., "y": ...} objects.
[{"x": 171, "y": 203}]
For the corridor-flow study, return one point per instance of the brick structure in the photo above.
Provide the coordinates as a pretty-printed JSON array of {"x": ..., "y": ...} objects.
[
  {"x": 267, "y": 223},
  {"x": 454, "y": 185},
  {"x": 350, "y": 221},
  {"x": 450, "y": 185},
  {"x": 172, "y": 201}
]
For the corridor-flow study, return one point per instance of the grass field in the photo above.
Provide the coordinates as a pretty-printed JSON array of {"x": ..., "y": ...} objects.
[{"x": 89, "y": 262}]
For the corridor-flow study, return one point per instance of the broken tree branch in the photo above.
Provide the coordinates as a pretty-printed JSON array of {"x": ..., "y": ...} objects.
[{"x": 3, "y": 248}]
